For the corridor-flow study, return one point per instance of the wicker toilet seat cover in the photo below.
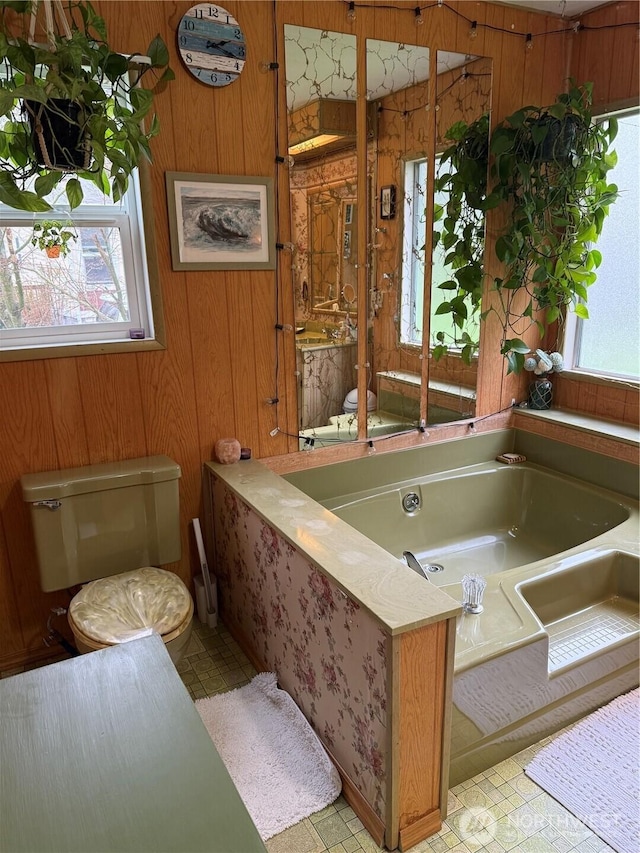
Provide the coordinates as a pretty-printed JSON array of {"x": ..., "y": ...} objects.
[{"x": 132, "y": 604}]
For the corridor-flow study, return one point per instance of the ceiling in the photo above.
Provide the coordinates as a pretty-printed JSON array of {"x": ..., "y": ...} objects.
[{"x": 565, "y": 8}]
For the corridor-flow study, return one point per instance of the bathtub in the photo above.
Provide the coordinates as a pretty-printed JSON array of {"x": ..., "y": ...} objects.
[
  {"x": 559, "y": 633},
  {"x": 485, "y": 519}
]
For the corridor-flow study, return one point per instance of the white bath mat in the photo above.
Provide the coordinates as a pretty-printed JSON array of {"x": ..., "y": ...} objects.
[
  {"x": 272, "y": 754},
  {"x": 593, "y": 771}
]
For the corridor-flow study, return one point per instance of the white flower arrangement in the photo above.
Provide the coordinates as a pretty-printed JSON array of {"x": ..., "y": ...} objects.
[{"x": 543, "y": 362}]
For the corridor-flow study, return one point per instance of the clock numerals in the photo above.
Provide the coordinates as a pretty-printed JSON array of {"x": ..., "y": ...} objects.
[{"x": 211, "y": 44}]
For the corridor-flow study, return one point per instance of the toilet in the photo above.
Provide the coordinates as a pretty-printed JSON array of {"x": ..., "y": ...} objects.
[
  {"x": 109, "y": 527},
  {"x": 350, "y": 405}
]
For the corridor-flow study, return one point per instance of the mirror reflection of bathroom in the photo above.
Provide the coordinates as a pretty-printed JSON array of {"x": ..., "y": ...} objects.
[
  {"x": 397, "y": 82},
  {"x": 462, "y": 125},
  {"x": 320, "y": 69}
]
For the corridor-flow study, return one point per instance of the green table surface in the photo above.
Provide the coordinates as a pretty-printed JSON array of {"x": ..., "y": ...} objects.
[{"x": 105, "y": 753}]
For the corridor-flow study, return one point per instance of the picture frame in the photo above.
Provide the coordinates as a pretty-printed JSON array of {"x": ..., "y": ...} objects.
[
  {"x": 221, "y": 222},
  {"x": 387, "y": 202}
]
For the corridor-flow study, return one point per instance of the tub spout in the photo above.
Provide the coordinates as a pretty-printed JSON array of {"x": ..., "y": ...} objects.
[
  {"x": 415, "y": 564},
  {"x": 473, "y": 587}
]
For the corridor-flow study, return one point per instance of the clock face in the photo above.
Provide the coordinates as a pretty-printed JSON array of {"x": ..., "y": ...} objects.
[{"x": 211, "y": 44}]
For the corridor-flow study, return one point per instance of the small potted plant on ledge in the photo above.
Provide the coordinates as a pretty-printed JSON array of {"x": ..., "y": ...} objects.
[
  {"x": 71, "y": 106},
  {"x": 53, "y": 237}
]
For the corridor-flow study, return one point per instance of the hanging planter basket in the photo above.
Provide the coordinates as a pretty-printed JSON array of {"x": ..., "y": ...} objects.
[
  {"x": 560, "y": 142},
  {"x": 59, "y": 138},
  {"x": 53, "y": 252}
]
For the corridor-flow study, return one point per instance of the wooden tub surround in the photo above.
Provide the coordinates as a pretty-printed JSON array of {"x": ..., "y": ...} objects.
[{"x": 361, "y": 643}]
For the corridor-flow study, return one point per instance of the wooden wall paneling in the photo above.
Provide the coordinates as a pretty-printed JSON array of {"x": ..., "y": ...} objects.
[
  {"x": 27, "y": 444},
  {"x": 244, "y": 357},
  {"x": 491, "y": 368},
  {"x": 198, "y": 114},
  {"x": 259, "y": 122},
  {"x": 231, "y": 141},
  {"x": 11, "y": 639},
  {"x": 464, "y": 43},
  {"x": 594, "y": 56},
  {"x": 625, "y": 43},
  {"x": 394, "y": 142},
  {"x": 532, "y": 79},
  {"x": 112, "y": 403},
  {"x": 67, "y": 416},
  {"x": 166, "y": 378}
]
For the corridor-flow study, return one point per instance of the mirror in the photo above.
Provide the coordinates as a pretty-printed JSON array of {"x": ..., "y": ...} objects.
[
  {"x": 397, "y": 83},
  {"x": 320, "y": 68},
  {"x": 333, "y": 247},
  {"x": 462, "y": 122}
]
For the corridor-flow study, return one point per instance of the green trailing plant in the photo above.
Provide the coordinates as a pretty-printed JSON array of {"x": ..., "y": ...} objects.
[
  {"x": 460, "y": 229},
  {"x": 550, "y": 167},
  {"x": 549, "y": 170},
  {"x": 82, "y": 91},
  {"x": 53, "y": 237}
]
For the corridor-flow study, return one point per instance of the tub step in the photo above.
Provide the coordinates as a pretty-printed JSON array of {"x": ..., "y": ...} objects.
[{"x": 580, "y": 635}]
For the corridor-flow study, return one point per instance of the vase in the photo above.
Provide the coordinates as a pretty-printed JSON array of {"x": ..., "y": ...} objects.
[{"x": 540, "y": 394}]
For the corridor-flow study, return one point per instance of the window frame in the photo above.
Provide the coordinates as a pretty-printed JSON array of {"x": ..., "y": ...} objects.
[
  {"x": 409, "y": 317},
  {"x": 86, "y": 339},
  {"x": 573, "y": 325}
]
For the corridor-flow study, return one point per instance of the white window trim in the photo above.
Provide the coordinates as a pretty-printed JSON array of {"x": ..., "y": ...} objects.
[
  {"x": 572, "y": 327},
  {"x": 16, "y": 344}
]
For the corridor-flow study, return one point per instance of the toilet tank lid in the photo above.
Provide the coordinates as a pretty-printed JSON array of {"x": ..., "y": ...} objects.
[{"x": 49, "y": 485}]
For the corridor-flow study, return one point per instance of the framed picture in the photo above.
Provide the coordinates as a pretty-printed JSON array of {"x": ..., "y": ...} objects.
[
  {"x": 221, "y": 222},
  {"x": 387, "y": 202}
]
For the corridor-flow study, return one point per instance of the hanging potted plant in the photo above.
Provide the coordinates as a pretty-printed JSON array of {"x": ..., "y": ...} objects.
[
  {"x": 72, "y": 106},
  {"x": 53, "y": 237},
  {"x": 550, "y": 166}
]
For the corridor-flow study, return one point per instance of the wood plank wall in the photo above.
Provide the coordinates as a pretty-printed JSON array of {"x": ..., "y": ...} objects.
[{"x": 218, "y": 370}]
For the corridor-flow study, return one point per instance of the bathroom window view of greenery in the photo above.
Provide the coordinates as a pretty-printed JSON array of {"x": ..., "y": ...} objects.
[
  {"x": 415, "y": 184},
  {"x": 609, "y": 341},
  {"x": 443, "y": 269},
  {"x": 80, "y": 278}
]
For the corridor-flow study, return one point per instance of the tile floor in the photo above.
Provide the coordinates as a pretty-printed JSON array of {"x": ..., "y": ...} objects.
[{"x": 498, "y": 810}]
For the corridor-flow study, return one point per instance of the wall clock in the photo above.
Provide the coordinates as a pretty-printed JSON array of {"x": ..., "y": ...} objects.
[{"x": 211, "y": 44}]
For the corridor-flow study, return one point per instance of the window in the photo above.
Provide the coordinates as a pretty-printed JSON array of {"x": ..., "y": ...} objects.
[
  {"x": 415, "y": 188},
  {"x": 413, "y": 267},
  {"x": 95, "y": 292},
  {"x": 608, "y": 343}
]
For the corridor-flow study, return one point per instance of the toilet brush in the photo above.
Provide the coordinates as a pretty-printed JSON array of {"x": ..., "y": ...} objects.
[{"x": 206, "y": 591}]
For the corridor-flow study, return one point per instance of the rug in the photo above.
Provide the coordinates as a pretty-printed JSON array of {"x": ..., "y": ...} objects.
[
  {"x": 593, "y": 769},
  {"x": 274, "y": 757}
]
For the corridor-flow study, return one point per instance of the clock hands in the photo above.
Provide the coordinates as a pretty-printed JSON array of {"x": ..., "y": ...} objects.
[{"x": 218, "y": 46}]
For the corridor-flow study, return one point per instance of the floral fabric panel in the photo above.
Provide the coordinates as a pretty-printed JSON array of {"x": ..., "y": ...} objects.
[{"x": 329, "y": 653}]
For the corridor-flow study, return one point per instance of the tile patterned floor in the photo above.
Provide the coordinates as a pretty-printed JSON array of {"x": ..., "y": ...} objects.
[{"x": 496, "y": 811}]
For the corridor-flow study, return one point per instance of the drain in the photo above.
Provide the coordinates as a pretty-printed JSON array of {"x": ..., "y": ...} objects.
[
  {"x": 411, "y": 502},
  {"x": 434, "y": 567}
]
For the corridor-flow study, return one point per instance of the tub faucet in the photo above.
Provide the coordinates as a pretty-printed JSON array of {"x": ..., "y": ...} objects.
[
  {"x": 473, "y": 587},
  {"x": 415, "y": 564}
]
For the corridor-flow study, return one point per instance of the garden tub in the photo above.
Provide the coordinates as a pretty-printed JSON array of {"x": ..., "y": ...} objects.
[{"x": 559, "y": 632}]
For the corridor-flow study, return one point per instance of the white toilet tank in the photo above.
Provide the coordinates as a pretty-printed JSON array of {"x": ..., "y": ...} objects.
[{"x": 100, "y": 520}]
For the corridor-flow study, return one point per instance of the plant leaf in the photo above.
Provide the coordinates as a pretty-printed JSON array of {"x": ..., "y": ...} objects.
[{"x": 74, "y": 193}]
